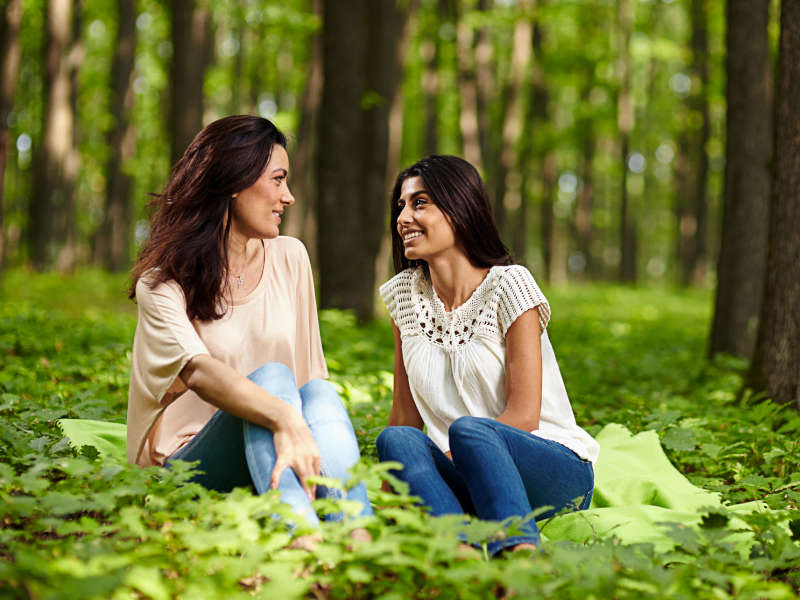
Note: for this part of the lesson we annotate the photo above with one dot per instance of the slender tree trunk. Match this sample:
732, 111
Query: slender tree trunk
583, 210
699, 104
9, 73
55, 169
468, 87
301, 220
745, 220
777, 351
508, 176
354, 132
191, 55
627, 227
114, 239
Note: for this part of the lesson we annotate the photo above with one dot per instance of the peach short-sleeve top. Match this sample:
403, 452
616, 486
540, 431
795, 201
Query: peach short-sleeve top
276, 322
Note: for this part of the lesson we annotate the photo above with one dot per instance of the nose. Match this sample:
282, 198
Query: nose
405, 216
287, 199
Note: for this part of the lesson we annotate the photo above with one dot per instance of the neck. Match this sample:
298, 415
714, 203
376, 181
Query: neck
454, 278
240, 250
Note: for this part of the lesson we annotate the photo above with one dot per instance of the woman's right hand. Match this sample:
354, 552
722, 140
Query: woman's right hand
295, 447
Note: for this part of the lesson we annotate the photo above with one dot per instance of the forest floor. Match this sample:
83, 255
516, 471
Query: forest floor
73, 525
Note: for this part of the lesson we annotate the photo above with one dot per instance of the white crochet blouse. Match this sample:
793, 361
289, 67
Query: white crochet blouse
455, 360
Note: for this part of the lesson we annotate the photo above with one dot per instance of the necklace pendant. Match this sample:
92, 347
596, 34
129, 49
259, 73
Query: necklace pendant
239, 281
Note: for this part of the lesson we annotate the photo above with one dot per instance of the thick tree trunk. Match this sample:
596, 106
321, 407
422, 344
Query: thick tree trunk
114, 237
9, 73
627, 224
51, 210
777, 351
354, 132
191, 55
743, 250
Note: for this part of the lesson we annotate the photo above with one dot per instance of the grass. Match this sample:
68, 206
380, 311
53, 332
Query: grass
73, 526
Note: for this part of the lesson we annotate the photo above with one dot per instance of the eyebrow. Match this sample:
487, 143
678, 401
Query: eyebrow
414, 195
281, 170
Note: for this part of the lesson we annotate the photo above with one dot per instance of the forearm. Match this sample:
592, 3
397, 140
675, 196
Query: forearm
527, 420
227, 389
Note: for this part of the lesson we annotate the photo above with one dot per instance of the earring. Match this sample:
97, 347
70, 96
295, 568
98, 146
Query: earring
234, 195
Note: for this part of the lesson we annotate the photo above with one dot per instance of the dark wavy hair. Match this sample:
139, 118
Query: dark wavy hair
191, 219
457, 189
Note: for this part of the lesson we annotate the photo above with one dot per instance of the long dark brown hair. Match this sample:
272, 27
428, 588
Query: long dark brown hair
191, 219
457, 189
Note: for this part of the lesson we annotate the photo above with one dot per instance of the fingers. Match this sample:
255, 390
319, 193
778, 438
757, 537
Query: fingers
277, 471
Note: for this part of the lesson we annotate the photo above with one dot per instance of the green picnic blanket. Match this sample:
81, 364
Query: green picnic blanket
636, 487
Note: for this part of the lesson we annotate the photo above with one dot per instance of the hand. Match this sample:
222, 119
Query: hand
295, 447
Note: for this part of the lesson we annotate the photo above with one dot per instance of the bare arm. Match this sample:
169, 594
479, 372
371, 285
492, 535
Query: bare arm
523, 385
227, 389
404, 411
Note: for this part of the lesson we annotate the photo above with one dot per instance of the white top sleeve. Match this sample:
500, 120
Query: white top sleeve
518, 293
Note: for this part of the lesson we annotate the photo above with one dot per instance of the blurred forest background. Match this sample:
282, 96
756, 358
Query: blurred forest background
621, 140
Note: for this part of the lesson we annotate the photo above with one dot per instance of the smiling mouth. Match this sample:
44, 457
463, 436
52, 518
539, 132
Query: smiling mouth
411, 235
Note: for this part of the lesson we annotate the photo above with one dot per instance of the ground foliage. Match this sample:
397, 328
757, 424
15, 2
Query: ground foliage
75, 526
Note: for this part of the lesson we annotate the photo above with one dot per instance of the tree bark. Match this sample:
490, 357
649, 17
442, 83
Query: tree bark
354, 135
51, 210
114, 238
9, 74
191, 55
777, 351
745, 220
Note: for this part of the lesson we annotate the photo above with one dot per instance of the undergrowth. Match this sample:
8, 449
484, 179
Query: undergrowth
73, 525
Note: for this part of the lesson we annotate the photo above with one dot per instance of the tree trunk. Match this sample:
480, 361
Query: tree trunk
508, 176
627, 226
301, 220
114, 237
699, 103
745, 220
51, 210
468, 90
9, 73
191, 55
354, 133
777, 350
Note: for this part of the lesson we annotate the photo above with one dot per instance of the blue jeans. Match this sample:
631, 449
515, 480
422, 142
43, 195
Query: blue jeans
233, 452
497, 472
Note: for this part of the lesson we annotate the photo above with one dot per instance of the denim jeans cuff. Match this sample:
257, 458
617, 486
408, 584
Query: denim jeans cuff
493, 548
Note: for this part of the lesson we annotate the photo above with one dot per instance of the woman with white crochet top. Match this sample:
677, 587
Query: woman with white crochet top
474, 364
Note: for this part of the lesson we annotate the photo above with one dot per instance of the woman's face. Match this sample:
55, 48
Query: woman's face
425, 230
257, 210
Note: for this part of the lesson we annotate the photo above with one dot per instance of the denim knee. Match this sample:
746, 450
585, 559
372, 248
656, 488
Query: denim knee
270, 372
395, 437
468, 426
321, 402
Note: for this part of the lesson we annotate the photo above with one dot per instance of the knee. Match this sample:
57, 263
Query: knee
271, 372
466, 427
321, 402
394, 441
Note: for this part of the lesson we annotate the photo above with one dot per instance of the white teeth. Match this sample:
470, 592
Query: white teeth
411, 235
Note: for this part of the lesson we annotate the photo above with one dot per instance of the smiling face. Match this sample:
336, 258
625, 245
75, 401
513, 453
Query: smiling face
424, 228
257, 210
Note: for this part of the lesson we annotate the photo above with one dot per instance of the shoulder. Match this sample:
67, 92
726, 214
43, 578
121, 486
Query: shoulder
515, 279
289, 247
400, 285
517, 292
149, 291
